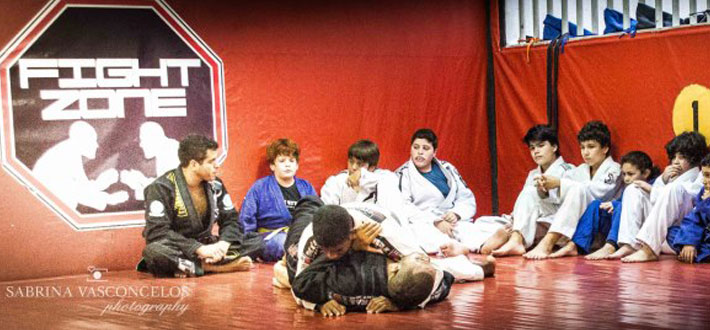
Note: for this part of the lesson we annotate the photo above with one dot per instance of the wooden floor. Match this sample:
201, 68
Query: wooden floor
568, 293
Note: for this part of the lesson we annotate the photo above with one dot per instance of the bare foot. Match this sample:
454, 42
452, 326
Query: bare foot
513, 247
544, 248
453, 248
604, 252
237, 265
497, 240
280, 279
488, 265
623, 251
569, 250
643, 254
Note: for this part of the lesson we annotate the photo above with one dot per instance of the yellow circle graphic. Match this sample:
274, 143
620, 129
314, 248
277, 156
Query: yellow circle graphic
692, 110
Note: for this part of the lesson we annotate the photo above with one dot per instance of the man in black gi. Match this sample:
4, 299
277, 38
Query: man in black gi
182, 205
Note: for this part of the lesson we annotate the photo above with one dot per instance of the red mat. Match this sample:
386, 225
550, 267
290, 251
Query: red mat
569, 293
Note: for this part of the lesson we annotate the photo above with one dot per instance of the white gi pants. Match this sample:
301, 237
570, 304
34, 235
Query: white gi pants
635, 207
574, 203
471, 234
670, 208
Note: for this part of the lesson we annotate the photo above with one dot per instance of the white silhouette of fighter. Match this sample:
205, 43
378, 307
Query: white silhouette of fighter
61, 170
155, 145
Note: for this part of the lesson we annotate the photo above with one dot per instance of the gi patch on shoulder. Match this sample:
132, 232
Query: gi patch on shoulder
156, 209
609, 178
227, 202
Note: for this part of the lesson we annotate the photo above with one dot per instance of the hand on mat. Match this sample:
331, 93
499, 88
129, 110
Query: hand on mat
607, 206
364, 235
381, 304
450, 217
670, 173
643, 185
445, 227
332, 308
687, 254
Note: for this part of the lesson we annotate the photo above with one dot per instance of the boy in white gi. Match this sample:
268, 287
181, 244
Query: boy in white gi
672, 198
438, 190
534, 201
364, 182
597, 178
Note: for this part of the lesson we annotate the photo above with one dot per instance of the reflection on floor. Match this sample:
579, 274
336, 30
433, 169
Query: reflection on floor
569, 293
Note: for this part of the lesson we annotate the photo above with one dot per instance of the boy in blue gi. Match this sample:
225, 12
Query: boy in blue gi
269, 204
691, 240
603, 218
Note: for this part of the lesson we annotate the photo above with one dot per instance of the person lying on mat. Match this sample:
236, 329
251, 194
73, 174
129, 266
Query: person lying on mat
340, 286
182, 206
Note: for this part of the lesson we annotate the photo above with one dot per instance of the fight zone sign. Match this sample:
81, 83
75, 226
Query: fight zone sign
95, 96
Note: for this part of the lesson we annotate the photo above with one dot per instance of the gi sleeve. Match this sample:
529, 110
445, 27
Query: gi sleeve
597, 189
691, 230
249, 210
310, 191
465, 203
311, 285
656, 189
330, 193
230, 229
159, 217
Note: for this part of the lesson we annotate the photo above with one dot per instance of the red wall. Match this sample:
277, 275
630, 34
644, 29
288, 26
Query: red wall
630, 84
324, 73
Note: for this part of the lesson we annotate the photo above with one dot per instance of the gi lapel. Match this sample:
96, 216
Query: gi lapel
184, 192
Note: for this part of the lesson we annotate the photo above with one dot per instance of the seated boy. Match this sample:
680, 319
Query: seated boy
364, 182
691, 240
534, 202
182, 207
438, 190
672, 198
361, 180
338, 286
269, 203
597, 178
604, 218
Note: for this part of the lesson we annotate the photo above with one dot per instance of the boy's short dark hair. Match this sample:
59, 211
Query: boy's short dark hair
410, 287
426, 134
706, 161
365, 151
282, 147
690, 145
595, 131
542, 133
332, 225
195, 147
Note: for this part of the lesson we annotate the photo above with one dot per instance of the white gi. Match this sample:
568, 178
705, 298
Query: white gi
529, 206
577, 189
380, 187
671, 202
395, 240
428, 198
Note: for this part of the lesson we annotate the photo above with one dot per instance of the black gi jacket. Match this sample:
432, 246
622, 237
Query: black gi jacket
170, 213
352, 281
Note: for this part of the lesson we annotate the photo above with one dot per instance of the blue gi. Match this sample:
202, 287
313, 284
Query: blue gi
597, 221
694, 230
264, 210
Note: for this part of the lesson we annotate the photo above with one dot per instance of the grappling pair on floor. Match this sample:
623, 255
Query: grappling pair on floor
357, 257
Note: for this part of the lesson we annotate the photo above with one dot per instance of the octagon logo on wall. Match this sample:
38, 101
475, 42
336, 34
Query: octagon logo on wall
95, 97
